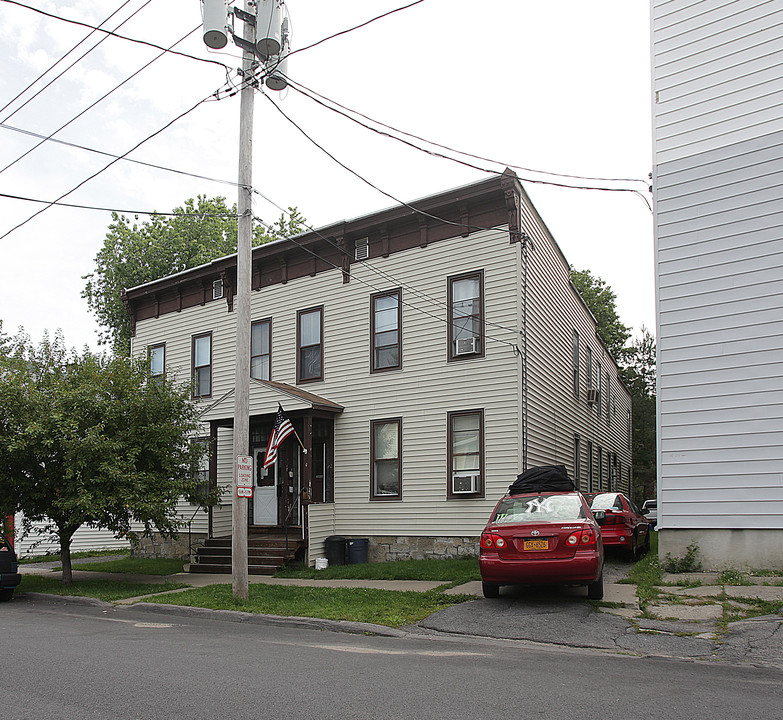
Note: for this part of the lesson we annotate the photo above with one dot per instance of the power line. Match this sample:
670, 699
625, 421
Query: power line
99, 100
356, 27
315, 96
57, 62
117, 159
76, 146
360, 177
514, 346
79, 59
113, 34
115, 210
365, 263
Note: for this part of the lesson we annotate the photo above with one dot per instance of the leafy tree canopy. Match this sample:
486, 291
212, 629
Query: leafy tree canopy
134, 253
602, 301
92, 440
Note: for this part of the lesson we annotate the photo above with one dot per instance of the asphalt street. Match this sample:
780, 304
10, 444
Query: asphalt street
66, 659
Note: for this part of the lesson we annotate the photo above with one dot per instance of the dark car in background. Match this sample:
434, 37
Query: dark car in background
542, 538
623, 527
9, 570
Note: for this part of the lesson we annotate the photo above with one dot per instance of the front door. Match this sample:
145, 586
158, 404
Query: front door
265, 491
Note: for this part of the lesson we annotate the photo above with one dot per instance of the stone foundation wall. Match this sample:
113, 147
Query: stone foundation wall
174, 547
386, 548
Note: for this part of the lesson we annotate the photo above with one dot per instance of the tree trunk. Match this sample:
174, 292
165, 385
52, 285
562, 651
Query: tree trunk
65, 556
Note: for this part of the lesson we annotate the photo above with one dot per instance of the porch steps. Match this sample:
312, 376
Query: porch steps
266, 554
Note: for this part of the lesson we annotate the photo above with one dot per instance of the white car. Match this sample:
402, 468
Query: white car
650, 511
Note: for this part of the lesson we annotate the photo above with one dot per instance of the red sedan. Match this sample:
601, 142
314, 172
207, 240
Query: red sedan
624, 527
541, 539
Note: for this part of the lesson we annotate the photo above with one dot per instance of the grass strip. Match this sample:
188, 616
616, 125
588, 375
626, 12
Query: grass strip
107, 590
453, 571
391, 608
135, 566
55, 557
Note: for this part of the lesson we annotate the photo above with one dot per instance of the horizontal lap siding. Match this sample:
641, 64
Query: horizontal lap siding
85, 538
719, 255
556, 416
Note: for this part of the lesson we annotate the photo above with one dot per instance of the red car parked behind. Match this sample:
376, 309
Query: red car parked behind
624, 527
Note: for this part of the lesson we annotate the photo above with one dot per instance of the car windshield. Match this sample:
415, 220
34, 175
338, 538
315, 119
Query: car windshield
607, 501
539, 508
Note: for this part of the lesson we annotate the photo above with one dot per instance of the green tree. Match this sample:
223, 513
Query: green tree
87, 439
637, 371
602, 301
134, 253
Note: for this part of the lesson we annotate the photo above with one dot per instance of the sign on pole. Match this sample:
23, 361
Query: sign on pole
244, 476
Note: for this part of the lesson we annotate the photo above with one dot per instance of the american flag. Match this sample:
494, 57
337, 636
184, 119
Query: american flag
280, 432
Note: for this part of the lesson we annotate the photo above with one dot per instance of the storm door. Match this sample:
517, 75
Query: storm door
265, 491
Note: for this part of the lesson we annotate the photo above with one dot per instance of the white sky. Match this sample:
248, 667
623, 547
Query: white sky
561, 86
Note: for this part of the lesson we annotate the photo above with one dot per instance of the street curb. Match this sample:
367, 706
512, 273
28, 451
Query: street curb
239, 616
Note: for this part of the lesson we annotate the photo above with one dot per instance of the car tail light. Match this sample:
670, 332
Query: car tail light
612, 520
490, 540
582, 537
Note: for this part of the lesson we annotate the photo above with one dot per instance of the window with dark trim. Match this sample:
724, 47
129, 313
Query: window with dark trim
261, 350
202, 365
466, 316
309, 343
385, 331
202, 473
386, 459
589, 368
578, 462
600, 475
575, 362
157, 359
589, 466
608, 391
466, 454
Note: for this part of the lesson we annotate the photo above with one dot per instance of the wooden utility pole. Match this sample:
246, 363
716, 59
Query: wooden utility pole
239, 525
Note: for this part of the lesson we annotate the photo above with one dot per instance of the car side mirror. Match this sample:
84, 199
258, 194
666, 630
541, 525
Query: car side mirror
645, 511
600, 516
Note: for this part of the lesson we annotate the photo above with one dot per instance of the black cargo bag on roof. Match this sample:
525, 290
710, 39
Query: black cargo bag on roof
552, 478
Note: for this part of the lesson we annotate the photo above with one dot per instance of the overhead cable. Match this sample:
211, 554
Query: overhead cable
116, 35
58, 61
79, 59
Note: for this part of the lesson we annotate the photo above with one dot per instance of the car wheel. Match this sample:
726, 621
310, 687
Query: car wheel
490, 590
595, 591
6, 594
632, 553
646, 546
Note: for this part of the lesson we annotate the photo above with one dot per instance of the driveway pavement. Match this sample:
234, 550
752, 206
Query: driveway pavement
700, 622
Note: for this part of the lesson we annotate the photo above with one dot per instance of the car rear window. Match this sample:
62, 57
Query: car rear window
539, 508
607, 501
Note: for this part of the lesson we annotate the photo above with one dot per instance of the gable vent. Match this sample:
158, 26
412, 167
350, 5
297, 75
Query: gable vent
361, 249
217, 289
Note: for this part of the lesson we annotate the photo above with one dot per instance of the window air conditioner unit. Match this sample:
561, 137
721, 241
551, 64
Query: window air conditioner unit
592, 395
361, 249
467, 346
465, 484
217, 289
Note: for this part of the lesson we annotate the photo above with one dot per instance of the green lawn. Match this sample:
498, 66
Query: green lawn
453, 572
135, 566
382, 607
107, 590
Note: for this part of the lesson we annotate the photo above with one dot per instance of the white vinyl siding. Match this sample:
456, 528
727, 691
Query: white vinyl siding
427, 387
718, 122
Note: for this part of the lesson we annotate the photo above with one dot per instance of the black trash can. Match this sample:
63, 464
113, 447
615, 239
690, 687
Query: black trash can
335, 550
357, 550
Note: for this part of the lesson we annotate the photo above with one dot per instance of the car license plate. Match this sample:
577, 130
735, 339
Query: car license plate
536, 544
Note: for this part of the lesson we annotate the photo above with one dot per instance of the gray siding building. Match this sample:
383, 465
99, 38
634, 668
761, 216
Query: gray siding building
718, 180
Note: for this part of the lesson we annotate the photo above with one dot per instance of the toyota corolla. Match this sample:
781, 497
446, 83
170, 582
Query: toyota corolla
542, 538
